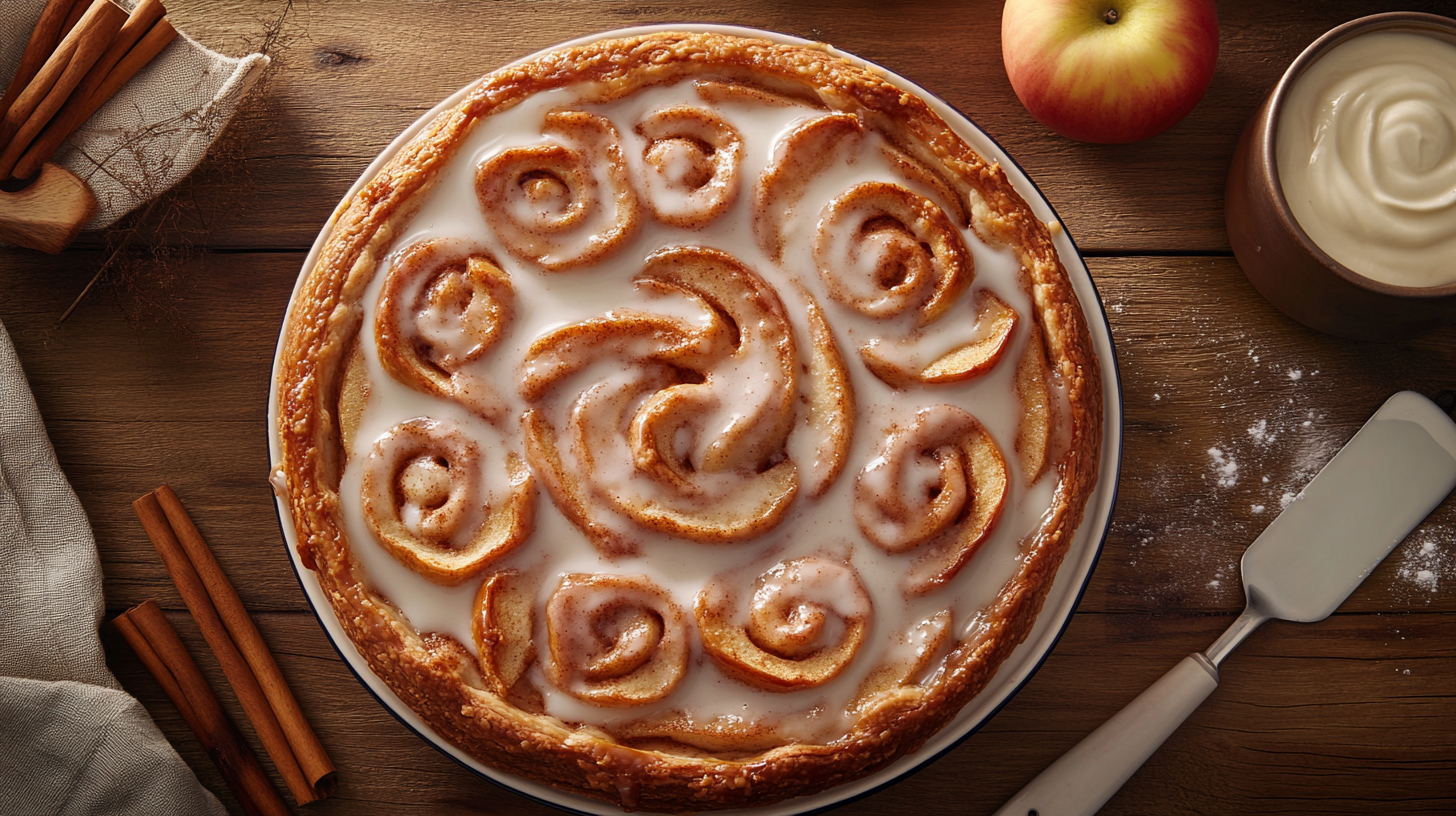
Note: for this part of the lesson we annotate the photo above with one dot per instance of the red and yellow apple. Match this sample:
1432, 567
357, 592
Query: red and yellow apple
1109, 71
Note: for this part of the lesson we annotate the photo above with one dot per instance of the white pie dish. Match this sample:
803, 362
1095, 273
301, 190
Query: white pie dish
1076, 568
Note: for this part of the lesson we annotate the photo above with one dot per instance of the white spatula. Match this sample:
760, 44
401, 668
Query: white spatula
1386, 479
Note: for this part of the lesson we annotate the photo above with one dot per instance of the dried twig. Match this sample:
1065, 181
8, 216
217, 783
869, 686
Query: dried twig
147, 281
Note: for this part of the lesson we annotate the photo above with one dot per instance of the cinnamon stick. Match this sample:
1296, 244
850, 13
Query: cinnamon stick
49, 30
140, 39
160, 649
244, 683
35, 90
158, 37
306, 746
34, 107
74, 17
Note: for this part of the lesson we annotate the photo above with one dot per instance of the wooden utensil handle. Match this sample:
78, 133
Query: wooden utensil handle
48, 213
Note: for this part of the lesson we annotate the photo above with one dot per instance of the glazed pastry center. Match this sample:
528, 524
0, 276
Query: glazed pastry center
695, 409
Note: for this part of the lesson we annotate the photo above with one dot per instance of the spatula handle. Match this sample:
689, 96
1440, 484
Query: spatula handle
1082, 781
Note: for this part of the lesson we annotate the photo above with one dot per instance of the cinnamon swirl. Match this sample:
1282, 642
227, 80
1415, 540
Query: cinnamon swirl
810, 401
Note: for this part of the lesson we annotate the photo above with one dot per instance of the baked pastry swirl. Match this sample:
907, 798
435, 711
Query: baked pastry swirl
806, 620
565, 204
686, 421
439, 312
947, 517
424, 500
616, 640
735, 480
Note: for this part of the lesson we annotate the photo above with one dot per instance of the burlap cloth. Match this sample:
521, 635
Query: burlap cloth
156, 129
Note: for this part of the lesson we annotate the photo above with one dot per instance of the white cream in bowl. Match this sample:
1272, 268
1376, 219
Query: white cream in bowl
1367, 156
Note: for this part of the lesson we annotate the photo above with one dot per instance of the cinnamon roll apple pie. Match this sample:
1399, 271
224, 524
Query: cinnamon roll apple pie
686, 421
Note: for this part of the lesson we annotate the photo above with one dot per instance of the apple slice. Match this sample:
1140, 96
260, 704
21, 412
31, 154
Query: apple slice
354, 391
691, 165
441, 311
883, 251
684, 429
950, 552
995, 324
502, 628
935, 491
830, 394
724, 735
804, 155
562, 206
1033, 435
912, 653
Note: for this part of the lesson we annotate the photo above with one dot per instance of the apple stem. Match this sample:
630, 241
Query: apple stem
1111, 16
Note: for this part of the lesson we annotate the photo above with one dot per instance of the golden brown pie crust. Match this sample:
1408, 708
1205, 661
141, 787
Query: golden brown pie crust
438, 677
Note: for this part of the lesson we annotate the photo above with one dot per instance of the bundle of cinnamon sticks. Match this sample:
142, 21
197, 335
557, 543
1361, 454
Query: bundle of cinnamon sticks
157, 644
79, 55
246, 660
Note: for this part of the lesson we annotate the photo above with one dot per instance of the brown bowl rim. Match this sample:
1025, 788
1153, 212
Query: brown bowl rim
1268, 140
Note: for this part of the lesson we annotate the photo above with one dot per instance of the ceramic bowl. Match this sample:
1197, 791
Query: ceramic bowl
1281, 260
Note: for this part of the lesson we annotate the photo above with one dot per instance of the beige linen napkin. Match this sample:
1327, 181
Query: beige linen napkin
71, 741
156, 129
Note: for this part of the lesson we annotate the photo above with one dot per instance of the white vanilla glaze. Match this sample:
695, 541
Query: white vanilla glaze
1367, 155
823, 526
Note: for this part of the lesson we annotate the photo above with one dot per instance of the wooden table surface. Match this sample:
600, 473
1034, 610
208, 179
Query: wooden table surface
162, 375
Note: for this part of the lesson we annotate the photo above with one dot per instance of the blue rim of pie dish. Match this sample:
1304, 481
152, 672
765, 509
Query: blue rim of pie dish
1112, 377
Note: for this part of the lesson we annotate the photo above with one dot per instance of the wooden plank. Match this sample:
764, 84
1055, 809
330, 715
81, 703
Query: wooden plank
1208, 365
347, 78
1344, 717
132, 402
1286, 732
187, 339
189, 408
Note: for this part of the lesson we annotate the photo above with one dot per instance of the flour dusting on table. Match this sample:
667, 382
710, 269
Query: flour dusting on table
1426, 564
